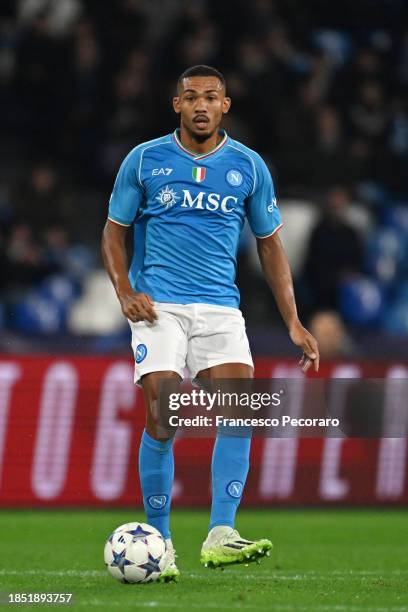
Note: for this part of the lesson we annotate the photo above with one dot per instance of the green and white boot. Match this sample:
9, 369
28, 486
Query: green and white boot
224, 546
171, 572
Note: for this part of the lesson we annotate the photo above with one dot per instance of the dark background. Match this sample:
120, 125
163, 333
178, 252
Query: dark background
318, 89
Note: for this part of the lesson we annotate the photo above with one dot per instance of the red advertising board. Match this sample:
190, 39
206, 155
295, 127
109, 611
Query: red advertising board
69, 432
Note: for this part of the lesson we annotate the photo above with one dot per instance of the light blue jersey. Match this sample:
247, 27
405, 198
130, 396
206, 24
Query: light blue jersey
188, 212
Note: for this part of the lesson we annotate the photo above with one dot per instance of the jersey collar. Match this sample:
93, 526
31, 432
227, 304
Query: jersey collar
219, 146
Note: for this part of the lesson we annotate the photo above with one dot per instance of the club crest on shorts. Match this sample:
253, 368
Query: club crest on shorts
141, 352
157, 501
234, 178
235, 488
198, 174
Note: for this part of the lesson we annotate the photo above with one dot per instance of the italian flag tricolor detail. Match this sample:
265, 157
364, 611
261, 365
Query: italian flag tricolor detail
198, 174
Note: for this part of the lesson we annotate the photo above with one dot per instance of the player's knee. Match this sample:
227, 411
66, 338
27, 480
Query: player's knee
154, 426
155, 433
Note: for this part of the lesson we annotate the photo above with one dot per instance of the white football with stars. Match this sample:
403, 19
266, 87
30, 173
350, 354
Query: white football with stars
135, 553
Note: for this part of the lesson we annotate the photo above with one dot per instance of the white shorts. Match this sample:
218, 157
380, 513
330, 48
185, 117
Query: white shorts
198, 336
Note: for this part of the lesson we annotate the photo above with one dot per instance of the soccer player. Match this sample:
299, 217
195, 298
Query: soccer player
187, 195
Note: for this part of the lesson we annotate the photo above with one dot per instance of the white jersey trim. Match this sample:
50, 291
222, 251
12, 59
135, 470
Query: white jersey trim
141, 157
272, 233
119, 223
252, 162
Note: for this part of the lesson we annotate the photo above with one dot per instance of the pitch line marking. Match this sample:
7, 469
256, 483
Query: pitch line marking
231, 573
280, 607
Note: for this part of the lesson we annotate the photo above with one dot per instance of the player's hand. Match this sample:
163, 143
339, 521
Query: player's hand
302, 338
137, 306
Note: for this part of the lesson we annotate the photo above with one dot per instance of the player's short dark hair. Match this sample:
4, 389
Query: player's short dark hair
201, 70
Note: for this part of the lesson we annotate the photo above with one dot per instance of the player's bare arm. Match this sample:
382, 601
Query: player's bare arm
136, 306
277, 272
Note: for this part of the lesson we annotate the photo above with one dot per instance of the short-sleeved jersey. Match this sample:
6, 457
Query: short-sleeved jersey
188, 212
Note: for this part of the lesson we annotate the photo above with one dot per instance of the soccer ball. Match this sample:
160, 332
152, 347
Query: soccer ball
135, 552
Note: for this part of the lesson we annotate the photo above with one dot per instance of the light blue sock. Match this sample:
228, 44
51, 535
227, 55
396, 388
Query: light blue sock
230, 464
156, 472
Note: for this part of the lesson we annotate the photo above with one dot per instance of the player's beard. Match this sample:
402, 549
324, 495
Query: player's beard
201, 137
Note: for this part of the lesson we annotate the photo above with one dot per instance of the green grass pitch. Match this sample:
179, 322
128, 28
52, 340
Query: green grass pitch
323, 561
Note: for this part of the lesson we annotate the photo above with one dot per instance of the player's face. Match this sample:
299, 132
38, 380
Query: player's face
201, 102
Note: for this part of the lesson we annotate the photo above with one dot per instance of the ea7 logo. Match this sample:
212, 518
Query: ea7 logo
165, 171
271, 206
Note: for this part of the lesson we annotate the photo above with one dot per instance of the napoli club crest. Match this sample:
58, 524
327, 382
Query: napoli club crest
235, 488
141, 352
157, 501
234, 178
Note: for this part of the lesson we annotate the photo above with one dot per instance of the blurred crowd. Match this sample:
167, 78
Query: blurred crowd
319, 90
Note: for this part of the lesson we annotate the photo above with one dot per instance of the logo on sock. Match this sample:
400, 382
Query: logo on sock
141, 352
157, 501
235, 488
